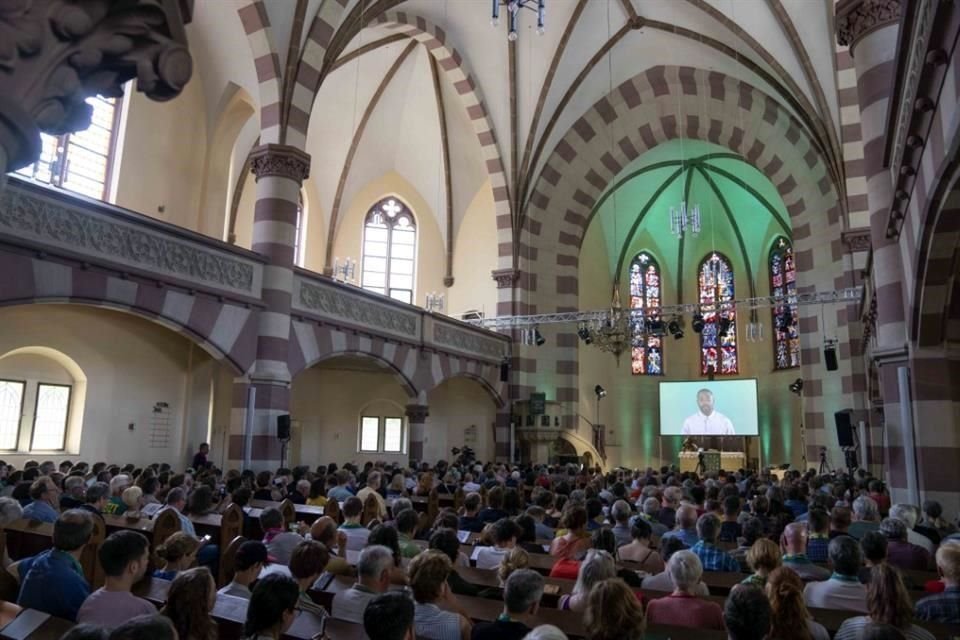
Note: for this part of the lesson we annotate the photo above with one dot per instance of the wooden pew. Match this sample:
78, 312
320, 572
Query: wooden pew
35, 625
304, 512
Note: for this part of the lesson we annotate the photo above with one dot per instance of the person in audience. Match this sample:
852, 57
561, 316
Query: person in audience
874, 548
396, 488
190, 600
53, 581
151, 627
124, 556
470, 520
87, 632
356, 533
843, 589
574, 543
177, 500
96, 496
790, 619
272, 608
818, 535
115, 505
74, 488
437, 615
763, 558
494, 510
840, 520
746, 614
596, 567
888, 603
684, 607
662, 581
307, 563
263, 491
900, 553
669, 506
301, 492
373, 486
373, 578
200, 457
505, 533
406, 526
620, 513
178, 553
686, 526
341, 492
247, 565
933, 519
390, 616
866, 517
945, 606
613, 612
280, 543
711, 557
639, 549
909, 515
446, 542
540, 528
651, 514
730, 528
794, 545
546, 632
521, 598
10, 511
324, 530
45, 501
317, 497
752, 531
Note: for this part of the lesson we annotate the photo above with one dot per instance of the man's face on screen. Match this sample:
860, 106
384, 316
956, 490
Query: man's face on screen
705, 402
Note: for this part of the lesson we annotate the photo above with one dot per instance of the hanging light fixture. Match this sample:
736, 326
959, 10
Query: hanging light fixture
684, 220
614, 333
513, 10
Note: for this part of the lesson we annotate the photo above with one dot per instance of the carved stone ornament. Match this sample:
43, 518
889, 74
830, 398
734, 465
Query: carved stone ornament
468, 341
280, 160
417, 413
505, 278
857, 239
56, 53
856, 18
356, 309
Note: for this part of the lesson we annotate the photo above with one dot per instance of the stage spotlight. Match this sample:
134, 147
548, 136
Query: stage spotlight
797, 386
697, 322
584, 334
600, 391
675, 329
538, 338
786, 321
724, 327
655, 326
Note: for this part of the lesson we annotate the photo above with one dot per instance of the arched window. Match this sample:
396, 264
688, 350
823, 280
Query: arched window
646, 354
80, 161
389, 250
718, 340
783, 283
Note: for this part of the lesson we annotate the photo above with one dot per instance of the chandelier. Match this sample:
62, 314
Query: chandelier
612, 334
683, 220
513, 9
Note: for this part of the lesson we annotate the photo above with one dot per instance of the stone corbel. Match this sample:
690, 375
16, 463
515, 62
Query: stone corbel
506, 278
56, 53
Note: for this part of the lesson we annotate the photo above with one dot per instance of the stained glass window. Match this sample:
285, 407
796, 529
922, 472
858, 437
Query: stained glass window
80, 161
389, 250
783, 283
718, 340
646, 354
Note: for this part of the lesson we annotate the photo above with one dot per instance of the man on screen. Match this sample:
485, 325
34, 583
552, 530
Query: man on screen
707, 422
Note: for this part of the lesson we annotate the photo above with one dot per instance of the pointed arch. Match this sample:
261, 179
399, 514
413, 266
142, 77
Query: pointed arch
389, 262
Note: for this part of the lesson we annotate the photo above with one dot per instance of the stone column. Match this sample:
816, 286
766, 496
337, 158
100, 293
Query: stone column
280, 171
417, 418
870, 28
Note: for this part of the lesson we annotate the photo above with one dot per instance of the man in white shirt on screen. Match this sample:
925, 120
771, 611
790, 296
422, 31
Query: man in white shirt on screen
707, 421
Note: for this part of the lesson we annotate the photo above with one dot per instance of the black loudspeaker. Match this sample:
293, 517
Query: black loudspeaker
844, 428
504, 371
283, 427
830, 357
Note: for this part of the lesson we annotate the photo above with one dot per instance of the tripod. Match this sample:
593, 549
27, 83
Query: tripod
701, 467
824, 465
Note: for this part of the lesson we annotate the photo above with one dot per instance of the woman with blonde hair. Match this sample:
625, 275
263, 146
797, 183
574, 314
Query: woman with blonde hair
762, 558
613, 612
177, 554
789, 617
425, 485
597, 567
397, 487
189, 603
515, 558
437, 615
887, 603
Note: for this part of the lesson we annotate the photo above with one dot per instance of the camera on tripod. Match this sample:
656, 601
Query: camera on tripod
464, 457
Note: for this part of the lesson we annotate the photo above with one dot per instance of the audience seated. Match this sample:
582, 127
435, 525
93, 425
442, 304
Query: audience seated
96, 498
324, 530
45, 501
788, 612
148, 627
190, 600
494, 510
686, 526
752, 531
639, 549
730, 528
620, 514
763, 558
280, 543
596, 567
372, 488
662, 581
356, 533
390, 616
818, 535
373, 579
446, 542
53, 581
521, 597
843, 589
840, 520
933, 520
546, 632
909, 515
901, 553
866, 517
178, 553
406, 526
945, 606
272, 608
428, 581
887, 603
613, 612
307, 563
124, 556
74, 489
576, 541
746, 614
683, 607
711, 557
874, 547
247, 565
794, 545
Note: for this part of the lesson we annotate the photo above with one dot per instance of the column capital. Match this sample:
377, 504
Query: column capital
417, 413
280, 160
857, 18
505, 278
59, 53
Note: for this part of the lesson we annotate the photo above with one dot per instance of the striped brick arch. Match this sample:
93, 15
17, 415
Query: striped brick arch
661, 104
226, 331
256, 24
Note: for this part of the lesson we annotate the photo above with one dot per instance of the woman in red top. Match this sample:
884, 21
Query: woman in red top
682, 608
576, 541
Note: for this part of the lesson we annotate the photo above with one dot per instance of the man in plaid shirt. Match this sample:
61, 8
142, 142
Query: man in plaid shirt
944, 607
818, 537
712, 557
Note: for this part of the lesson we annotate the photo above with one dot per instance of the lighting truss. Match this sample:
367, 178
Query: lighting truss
839, 296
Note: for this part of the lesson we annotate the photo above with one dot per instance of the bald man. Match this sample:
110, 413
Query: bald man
794, 546
325, 530
686, 527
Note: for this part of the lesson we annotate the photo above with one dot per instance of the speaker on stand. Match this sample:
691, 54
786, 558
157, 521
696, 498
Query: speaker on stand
283, 435
846, 438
